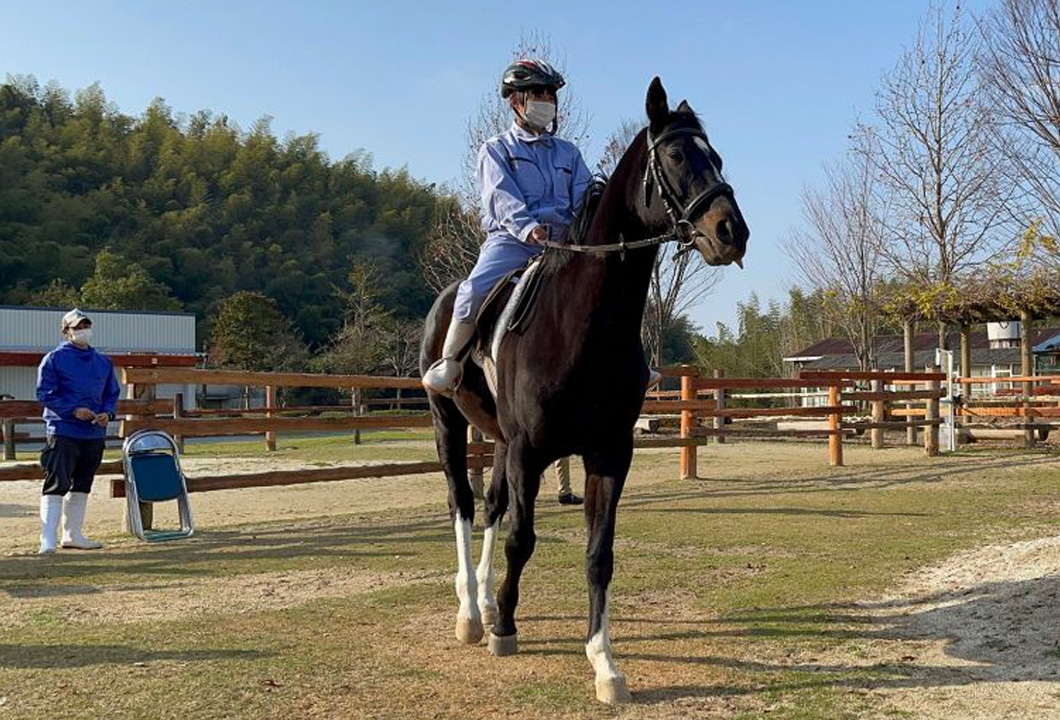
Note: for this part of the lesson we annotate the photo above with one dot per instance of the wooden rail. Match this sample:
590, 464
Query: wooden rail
702, 399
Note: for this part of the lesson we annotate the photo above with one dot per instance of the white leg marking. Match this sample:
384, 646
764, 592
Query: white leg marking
487, 604
468, 619
610, 683
466, 587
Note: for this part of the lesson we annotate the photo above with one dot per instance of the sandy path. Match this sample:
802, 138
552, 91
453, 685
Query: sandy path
19, 501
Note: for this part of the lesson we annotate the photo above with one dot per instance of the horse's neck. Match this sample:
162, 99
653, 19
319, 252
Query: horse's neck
614, 286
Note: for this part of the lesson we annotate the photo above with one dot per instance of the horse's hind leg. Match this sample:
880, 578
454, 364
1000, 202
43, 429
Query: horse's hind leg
496, 506
450, 432
605, 475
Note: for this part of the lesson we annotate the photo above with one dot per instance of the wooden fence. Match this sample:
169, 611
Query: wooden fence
1029, 411
703, 398
716, 400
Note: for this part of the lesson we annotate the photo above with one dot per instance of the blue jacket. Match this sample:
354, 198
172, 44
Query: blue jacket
529, 180
69, 378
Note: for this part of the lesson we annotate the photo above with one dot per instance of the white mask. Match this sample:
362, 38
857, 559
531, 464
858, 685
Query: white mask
540, 113
82, 336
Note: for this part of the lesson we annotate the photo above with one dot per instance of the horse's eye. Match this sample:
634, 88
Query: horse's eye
675, 155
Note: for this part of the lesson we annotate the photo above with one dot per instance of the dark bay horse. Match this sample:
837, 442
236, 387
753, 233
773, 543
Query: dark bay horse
573, 382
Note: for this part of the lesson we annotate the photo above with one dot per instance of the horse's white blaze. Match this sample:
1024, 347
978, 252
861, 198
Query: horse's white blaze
705, 147
466, 587
598, 649
486, 602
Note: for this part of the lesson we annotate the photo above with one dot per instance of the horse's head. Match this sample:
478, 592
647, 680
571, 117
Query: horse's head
685, 171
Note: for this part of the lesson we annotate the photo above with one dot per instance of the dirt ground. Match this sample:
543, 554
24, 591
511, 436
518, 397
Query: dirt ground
989, 617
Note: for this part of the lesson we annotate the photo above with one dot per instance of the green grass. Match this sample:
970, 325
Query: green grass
733, 597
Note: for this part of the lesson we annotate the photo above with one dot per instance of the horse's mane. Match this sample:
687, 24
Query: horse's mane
582, 225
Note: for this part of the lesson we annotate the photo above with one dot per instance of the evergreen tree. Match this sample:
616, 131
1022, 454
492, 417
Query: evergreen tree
119, 284
250, 333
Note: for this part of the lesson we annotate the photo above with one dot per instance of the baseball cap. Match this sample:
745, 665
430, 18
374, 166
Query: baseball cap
72, 318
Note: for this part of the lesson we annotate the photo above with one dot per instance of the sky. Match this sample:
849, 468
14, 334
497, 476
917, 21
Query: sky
778, 84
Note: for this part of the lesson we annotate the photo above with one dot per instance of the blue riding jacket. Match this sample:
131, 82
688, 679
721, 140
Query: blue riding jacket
526, 180
529, 180
70, 377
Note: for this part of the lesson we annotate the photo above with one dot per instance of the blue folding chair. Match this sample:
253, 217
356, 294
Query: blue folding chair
153, 474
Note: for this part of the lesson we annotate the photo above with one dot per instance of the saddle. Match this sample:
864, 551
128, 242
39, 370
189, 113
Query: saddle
509, 305
508, 308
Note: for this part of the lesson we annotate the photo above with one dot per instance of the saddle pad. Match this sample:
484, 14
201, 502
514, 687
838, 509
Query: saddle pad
517, 310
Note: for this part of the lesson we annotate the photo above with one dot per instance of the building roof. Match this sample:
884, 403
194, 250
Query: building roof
838, 353
28, 330
1048, 346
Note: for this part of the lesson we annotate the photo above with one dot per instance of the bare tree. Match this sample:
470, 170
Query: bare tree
452, 246
359, 347
1021, 70
678, 283
937, 164
839, 255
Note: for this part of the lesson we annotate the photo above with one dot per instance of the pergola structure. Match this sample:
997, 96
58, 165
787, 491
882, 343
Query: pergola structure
994, 296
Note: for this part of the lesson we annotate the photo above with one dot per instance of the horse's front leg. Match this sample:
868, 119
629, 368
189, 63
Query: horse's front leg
496, 506
605, 475
524, 478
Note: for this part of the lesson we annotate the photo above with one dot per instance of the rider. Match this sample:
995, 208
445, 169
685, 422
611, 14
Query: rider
531, 182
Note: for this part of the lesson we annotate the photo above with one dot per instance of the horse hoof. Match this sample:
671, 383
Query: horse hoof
613, 691
503, 645
469, 631
490, 614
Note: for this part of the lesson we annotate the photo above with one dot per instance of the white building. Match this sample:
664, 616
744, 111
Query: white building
130, 339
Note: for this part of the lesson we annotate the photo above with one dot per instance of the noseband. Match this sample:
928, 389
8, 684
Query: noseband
682, 231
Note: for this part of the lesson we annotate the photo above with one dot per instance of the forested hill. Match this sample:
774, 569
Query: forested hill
205, 208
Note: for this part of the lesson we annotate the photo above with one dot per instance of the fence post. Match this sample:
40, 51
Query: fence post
931, 431
908, 338
1027, 370
270, 407
719, 405
355, 400
878, 415
178, 413
835, 423
475, 474
9, 438
688, 424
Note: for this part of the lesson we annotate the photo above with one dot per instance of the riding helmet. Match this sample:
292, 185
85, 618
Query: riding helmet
525, 74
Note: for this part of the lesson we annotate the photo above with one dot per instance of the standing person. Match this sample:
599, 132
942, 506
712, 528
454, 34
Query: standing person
79, 392
566, 495
531, 183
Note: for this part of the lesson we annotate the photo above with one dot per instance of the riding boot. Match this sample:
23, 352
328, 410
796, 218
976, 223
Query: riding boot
444, 374
74, 507
51, 507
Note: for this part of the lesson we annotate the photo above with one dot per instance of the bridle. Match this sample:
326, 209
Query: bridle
682, 231
681, 217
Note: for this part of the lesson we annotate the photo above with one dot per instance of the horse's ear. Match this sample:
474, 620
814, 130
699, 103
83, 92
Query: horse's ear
685, 108
656, 105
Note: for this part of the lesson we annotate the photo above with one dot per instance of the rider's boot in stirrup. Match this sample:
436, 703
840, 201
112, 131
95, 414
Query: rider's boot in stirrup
444, 374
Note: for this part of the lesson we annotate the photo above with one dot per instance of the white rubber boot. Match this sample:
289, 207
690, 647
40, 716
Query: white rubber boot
74, 507
443, 375
51, 508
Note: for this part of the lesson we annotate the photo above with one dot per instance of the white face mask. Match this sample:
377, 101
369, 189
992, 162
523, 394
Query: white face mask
81, 337
540, 113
